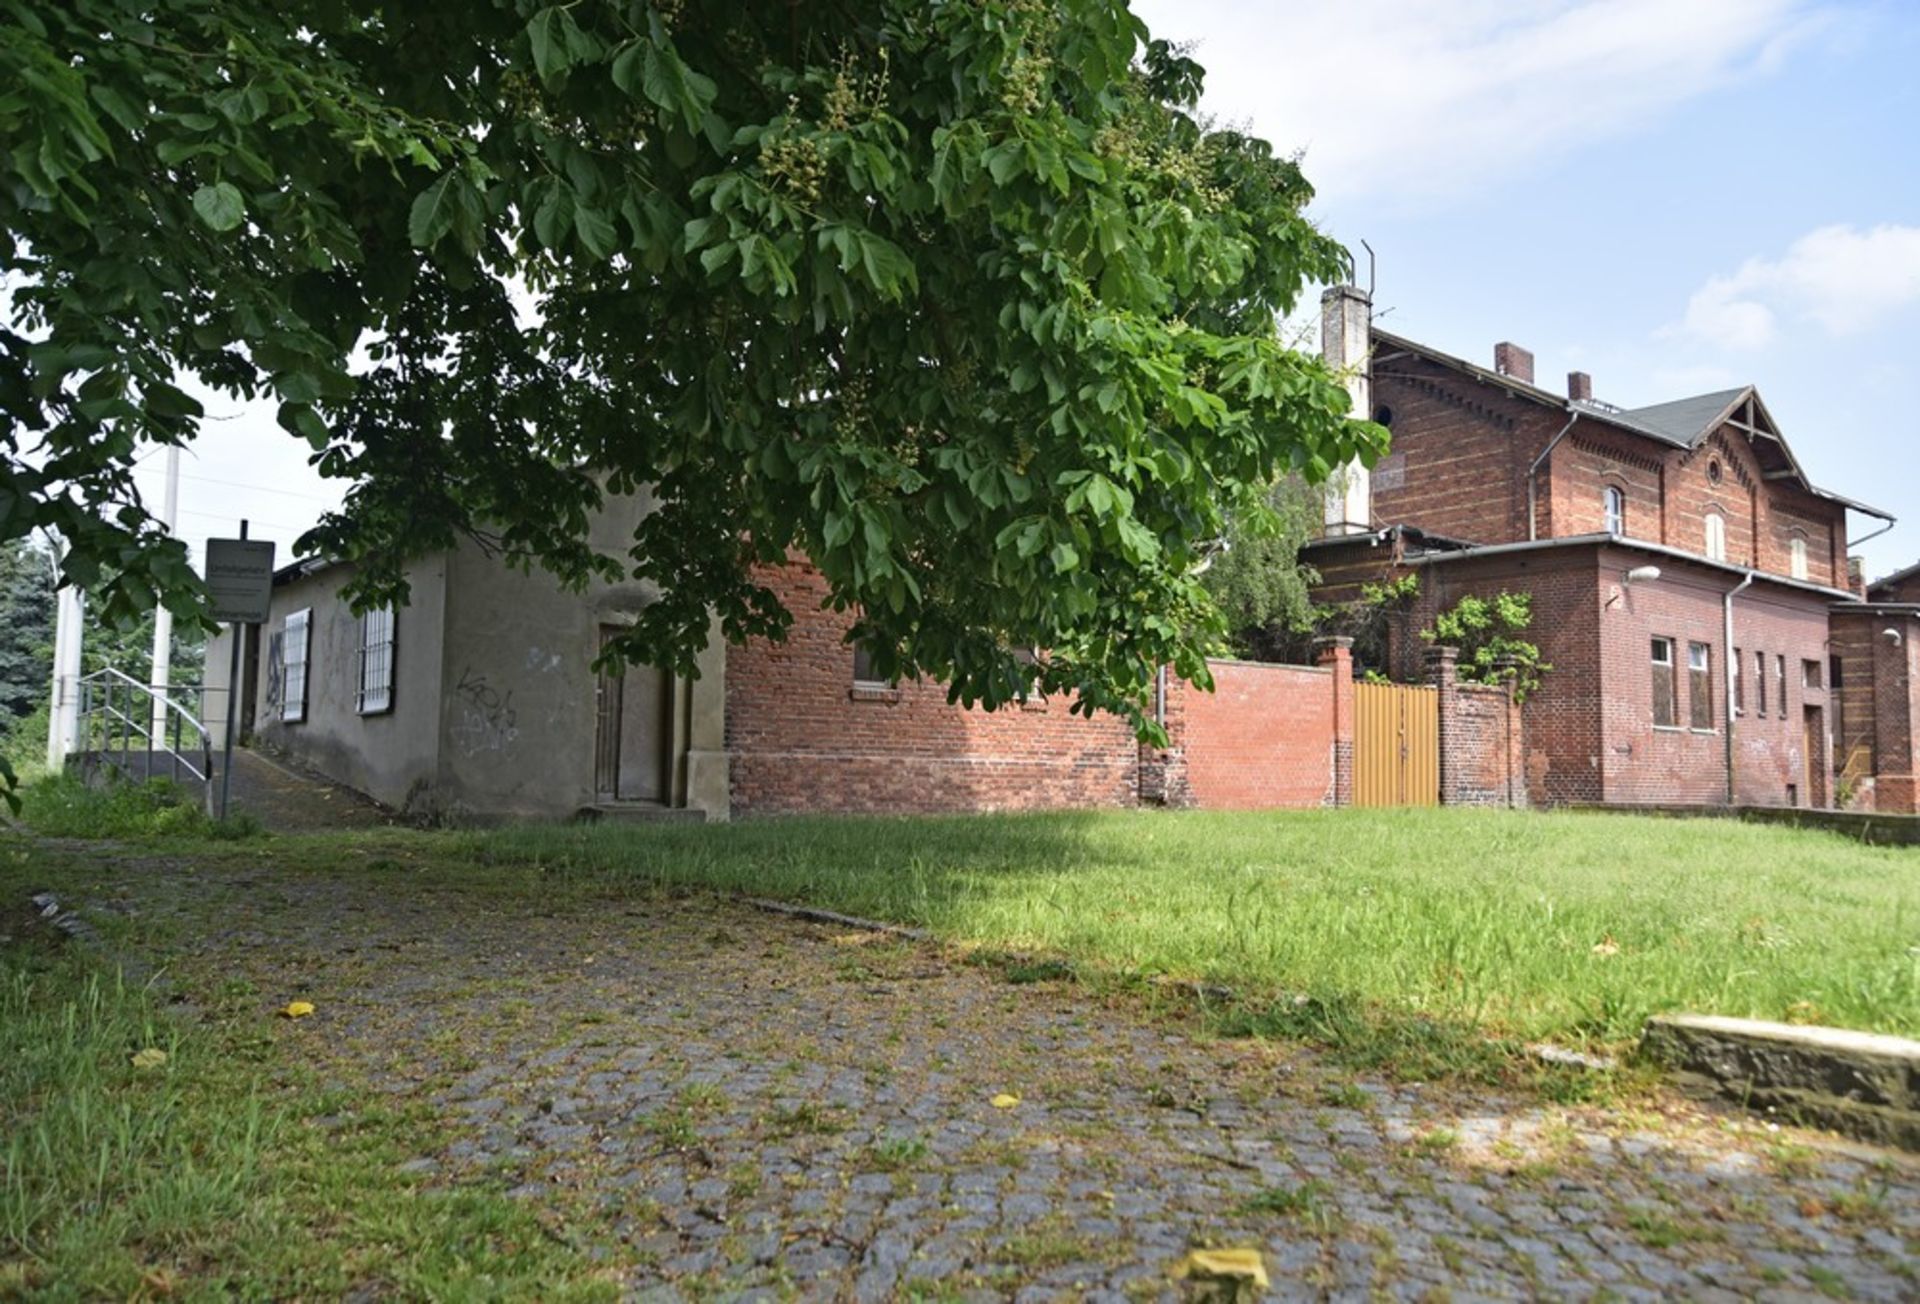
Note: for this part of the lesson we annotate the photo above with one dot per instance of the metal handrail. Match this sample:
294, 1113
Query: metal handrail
114, 703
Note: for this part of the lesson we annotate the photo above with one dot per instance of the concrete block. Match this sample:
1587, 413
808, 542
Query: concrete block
1862, 1084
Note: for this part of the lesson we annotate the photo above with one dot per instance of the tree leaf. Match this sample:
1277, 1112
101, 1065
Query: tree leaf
669, 83
220, 205
432, 214
598, 234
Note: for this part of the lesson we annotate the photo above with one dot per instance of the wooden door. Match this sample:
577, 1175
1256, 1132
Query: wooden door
608, 700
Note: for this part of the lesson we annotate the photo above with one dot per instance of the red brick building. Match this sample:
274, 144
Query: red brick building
1691, 586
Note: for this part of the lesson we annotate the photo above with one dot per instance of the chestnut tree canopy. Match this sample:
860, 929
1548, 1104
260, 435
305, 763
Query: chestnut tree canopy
962, 300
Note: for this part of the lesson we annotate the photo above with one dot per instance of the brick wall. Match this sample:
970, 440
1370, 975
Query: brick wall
1263, 739
1562, 719
802, 738
1482, 738
1462, 448
1880, 705
1460, 452
1905, 589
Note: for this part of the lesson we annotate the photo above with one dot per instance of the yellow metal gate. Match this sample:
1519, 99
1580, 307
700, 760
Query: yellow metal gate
1396, 745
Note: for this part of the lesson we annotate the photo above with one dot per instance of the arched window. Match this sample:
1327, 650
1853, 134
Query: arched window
1716, 536
1616, 503
1797, 552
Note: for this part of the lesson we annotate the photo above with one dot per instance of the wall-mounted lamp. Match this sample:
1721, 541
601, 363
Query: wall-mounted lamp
1893, 636
1643, 574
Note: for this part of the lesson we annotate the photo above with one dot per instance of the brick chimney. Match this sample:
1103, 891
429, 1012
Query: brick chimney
1512, 360
1857, 575
1580, 387
1346, 341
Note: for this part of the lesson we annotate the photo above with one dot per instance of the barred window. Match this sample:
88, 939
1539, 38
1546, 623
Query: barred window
1739, 693
1780, 681
1760, 682
376, 661
1666, 705
294, 642
1700, 684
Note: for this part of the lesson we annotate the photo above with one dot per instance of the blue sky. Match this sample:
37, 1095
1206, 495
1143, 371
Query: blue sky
1675, 195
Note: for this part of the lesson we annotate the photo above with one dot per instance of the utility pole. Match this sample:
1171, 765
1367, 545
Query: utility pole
163, 618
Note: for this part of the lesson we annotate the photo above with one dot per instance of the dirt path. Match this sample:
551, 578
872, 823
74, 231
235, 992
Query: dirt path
712, 1099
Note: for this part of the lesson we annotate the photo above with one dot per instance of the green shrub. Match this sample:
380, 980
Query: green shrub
63, 806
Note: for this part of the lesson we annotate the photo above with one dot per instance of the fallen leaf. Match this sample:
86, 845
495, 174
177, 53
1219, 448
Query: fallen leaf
1606, 946
1005, 1100
297, 1009
1240, 1266
150, 1058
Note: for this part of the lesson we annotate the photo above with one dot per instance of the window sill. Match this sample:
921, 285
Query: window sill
1668, 728
873, 693
1705, 733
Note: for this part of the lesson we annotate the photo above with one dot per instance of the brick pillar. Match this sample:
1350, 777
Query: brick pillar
1895, 788
1443, 672
1163, 773
1516, 750
1336, 654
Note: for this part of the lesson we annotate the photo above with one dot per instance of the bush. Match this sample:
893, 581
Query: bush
62, 806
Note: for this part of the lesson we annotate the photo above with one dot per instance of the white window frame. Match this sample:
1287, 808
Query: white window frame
863, 674
1700, 703
296, 660
1797, 564
1614, 503
1716, 528
379, 627
1663, 656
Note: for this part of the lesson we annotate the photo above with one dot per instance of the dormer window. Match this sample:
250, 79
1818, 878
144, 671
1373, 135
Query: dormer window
1797, 558
1716, 536
1616, 506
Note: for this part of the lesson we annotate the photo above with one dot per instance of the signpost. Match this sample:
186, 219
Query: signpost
240, 590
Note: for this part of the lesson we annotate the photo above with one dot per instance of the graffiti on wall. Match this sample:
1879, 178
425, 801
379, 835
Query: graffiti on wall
485, 720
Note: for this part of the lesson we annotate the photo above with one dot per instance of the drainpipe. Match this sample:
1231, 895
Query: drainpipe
1533, 477
1726, 674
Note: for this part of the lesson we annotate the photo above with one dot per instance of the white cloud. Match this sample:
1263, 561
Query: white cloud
1431, 99
1843, 279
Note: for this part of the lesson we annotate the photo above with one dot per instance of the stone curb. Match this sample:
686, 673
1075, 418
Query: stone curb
1863, 1085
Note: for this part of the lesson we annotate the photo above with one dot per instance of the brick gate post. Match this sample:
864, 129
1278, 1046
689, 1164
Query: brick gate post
1443, 667
1336, 654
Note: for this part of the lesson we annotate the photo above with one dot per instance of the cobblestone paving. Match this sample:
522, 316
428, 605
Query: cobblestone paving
720, 1102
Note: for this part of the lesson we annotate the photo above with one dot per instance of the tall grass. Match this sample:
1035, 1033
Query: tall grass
62, 806
1568, 926
107, 1164
201, 1174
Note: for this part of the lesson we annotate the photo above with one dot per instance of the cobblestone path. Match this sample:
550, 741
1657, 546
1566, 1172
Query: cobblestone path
720, 1102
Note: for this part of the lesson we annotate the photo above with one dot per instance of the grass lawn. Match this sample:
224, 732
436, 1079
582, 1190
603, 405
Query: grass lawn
1422, 943
1573, 927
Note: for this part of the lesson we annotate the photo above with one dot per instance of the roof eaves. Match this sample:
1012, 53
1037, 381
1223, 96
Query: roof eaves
1532, 392
1638, 545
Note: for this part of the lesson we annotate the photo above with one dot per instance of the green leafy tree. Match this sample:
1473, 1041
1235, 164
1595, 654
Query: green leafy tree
1262, 587
26, 630
961, 299
1485, 629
